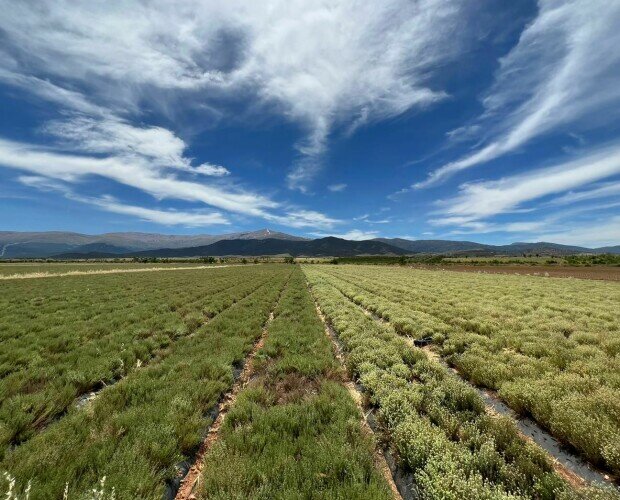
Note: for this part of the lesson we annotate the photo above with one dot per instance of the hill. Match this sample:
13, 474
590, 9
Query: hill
46, 244
323, 247
67, 245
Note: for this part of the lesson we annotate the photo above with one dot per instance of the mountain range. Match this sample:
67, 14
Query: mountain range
66, 245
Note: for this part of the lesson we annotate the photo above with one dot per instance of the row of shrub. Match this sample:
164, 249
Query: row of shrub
137, 431
294, 431
550, 347
82, 333
436, 422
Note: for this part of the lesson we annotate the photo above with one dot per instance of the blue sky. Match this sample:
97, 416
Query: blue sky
490, 121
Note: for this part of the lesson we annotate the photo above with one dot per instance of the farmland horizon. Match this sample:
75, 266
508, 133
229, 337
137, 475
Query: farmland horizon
296, 249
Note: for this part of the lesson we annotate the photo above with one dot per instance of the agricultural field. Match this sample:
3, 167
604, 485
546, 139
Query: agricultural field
10, 270
602, 272
550, 348
288, 381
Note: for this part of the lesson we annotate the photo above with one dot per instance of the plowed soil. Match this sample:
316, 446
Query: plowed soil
606, 273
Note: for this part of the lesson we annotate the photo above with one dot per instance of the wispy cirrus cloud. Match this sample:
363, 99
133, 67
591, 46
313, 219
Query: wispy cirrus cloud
597, 192
589, 234
481, 200
136, 172
336, 188
563, 70
111, 204
92, 140
321, 65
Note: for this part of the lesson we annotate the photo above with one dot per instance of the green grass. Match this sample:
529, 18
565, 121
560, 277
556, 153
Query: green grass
295, 431
138, 429
64, 337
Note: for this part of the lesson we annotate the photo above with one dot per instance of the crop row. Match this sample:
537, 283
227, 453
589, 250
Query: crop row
10, 269
63, 349
294, 431
551, 348
137, 431
436, 422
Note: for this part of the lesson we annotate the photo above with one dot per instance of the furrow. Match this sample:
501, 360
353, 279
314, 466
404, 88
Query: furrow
189, 481
399, 481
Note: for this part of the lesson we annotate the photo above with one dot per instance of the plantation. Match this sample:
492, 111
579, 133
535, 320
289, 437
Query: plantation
294, 431
115, 385
549, 347
137, 430
11, 269
63, 338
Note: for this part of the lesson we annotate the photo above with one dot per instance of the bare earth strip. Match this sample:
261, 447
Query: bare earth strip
380, 460
604, 273
109, 271
190, 481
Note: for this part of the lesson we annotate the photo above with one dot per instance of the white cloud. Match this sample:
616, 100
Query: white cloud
366, 218
114, 136
598, 192
606, 233
168, 218
135, 172
212, 170
319, 64
150, 176
304, 218
336, 188
111, 204
488, 198
564, 70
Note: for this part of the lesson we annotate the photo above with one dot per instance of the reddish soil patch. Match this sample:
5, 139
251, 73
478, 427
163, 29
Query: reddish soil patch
606, 273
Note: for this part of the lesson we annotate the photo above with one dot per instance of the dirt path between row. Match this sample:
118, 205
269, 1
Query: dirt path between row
190, 481
380, 460
21, 276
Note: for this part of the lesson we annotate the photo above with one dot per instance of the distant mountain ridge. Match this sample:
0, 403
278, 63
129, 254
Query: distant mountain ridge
67, 245
323, 247
15, 244
473, 248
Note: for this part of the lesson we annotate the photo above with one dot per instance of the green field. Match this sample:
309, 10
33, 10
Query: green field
28, 268
109, 382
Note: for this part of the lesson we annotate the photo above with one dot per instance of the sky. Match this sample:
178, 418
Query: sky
489, 121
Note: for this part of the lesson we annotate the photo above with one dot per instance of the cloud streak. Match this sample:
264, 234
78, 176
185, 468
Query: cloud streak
489, 198
319, 64
111, 204
564, 68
